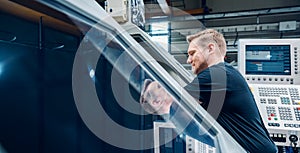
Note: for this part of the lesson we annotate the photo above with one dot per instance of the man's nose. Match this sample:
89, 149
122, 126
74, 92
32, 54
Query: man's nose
189, 60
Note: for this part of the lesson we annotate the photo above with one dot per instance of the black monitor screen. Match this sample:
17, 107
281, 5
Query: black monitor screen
268, 60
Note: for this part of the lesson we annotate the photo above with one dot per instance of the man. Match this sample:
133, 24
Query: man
224, 93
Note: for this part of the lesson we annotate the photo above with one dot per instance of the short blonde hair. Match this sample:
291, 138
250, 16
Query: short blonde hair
206, 36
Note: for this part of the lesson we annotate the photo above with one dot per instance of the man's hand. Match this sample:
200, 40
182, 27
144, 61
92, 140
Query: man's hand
154, 98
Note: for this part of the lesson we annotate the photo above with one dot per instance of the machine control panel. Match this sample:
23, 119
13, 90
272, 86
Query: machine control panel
194, 146
165, 141
279, 107
270, 61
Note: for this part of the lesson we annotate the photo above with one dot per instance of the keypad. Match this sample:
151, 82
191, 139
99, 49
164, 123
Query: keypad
285, 113
272, 91
291, 125
295, 96
271, 112
285, 100
263, 100
274, 124
297, 113
272, 101
279, 106
277, 137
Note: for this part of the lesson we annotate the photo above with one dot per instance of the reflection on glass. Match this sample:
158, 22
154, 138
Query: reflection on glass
125, 75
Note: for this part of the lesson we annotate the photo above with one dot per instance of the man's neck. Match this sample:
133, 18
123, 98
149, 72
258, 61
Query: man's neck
216, 61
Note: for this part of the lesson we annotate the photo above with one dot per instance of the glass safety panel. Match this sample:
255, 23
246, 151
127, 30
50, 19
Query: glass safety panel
127, 99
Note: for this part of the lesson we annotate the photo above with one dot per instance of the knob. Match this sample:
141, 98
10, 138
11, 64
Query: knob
293, 138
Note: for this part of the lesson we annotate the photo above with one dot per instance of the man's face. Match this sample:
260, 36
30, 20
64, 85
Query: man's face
157, 98
155, 94
197, 57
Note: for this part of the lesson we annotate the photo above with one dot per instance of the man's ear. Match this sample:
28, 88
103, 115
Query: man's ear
211, 47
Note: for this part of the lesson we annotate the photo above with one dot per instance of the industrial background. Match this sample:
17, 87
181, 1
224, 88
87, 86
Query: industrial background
38, 45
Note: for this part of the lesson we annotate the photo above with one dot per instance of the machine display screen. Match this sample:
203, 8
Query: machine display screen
268, 60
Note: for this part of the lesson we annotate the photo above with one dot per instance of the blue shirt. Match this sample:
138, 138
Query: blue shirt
225, 94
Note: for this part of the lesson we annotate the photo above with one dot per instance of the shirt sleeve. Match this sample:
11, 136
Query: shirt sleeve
210, 82
185, 124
